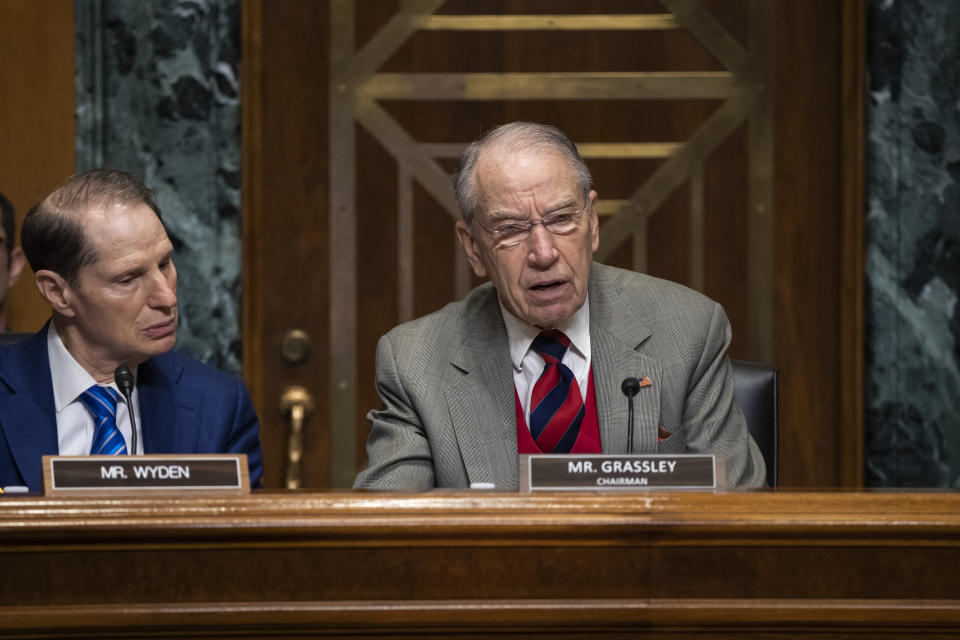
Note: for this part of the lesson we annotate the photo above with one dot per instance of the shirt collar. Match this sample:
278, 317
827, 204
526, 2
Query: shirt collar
69, 378
521, 334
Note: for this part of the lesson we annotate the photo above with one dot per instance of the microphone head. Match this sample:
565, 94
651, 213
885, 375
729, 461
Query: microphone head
124, 378
630, 387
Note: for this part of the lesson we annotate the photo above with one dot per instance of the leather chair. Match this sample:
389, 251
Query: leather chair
12, 337
756, 389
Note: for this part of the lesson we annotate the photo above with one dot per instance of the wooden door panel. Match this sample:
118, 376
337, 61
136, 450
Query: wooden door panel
286, 240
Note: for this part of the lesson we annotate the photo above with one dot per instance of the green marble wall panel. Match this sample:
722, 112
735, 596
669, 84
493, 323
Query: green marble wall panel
913, 244
158, 95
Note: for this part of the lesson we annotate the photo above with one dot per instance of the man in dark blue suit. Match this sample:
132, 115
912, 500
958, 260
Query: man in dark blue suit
104, 263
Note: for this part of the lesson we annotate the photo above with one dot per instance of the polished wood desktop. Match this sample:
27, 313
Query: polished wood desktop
439, 564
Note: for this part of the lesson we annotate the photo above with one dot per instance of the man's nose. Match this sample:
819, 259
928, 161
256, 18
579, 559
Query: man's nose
164, 293
542, 252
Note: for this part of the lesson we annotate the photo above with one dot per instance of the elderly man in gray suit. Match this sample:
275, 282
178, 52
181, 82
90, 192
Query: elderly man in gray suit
532, 362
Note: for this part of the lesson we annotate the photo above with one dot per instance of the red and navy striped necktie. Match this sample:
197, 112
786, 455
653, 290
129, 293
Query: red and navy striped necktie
556, 406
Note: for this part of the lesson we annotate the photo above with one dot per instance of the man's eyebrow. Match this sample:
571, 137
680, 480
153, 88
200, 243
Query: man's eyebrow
502, 215
139, 270
129, 273
569, 204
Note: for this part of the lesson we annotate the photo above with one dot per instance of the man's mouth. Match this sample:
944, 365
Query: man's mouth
547, 286
162, 328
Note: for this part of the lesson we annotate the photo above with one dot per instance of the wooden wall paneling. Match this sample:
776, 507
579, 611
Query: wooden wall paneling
853, 117
728, 237
807, 234
342, 382
252, 202
286, 234
385, 206
696, 226
761, 212
37, 99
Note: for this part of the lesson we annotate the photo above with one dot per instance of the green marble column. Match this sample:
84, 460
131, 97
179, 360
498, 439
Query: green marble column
913, 244
158, 95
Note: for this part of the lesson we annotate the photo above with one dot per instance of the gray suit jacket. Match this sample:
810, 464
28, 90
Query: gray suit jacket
446, 381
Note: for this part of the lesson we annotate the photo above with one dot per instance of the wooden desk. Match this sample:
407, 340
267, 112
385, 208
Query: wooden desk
432, 565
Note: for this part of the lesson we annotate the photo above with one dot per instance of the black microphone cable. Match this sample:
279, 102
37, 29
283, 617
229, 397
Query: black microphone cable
124, 378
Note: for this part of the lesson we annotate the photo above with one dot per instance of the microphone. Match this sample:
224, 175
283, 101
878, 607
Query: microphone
124, 378
630, 387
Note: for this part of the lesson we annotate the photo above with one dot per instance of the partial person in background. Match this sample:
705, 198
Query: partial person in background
11, 256
532, 362
103, 262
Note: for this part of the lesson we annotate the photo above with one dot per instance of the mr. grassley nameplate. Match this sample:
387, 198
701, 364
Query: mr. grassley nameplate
167, 473
554, 472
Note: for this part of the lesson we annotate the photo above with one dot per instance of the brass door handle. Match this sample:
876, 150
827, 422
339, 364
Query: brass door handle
296, 405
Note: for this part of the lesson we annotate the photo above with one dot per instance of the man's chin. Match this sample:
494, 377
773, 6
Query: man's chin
550, 318
162, 344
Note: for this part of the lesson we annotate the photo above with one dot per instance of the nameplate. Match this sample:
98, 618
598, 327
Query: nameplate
159, 473
552, 472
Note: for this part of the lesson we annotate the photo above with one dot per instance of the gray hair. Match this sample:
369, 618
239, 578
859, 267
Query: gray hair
515, 135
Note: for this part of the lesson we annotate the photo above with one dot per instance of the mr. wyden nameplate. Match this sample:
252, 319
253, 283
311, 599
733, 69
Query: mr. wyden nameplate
166, 473
553, 472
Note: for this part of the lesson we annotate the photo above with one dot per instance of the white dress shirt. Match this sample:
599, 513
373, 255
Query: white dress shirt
75, 424
528, 364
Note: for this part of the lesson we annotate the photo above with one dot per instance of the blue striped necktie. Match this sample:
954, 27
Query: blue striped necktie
101, 402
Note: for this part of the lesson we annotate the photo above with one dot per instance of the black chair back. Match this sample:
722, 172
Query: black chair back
756, 393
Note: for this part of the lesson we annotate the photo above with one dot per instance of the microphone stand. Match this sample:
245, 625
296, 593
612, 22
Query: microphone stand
630, 387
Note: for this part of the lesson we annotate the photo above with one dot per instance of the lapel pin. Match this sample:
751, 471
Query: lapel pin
644, 381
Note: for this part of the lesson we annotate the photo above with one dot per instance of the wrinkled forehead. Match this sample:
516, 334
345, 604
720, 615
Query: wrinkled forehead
112, 212
117, 227
532, 172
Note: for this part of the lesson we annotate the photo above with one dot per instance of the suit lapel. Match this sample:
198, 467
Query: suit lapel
28, 418
481, 402
169, 421
616, 334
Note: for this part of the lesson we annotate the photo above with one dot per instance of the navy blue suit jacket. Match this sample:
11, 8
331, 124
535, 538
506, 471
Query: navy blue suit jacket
185, 407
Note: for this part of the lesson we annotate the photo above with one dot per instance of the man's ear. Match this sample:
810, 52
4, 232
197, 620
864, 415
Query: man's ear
17, 260
470, 248
56, 291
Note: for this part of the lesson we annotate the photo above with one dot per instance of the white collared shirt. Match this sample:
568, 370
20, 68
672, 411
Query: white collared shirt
528, 364
74, 423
